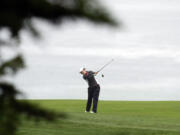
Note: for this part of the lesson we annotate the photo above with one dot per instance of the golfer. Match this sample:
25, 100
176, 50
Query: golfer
93, 89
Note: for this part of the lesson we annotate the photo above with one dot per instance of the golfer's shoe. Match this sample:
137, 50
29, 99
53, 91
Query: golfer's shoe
86, 111
92, 112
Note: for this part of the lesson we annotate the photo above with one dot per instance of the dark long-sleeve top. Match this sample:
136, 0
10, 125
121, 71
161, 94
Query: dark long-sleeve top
89, 77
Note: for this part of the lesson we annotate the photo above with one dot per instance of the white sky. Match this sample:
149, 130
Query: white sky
146, 51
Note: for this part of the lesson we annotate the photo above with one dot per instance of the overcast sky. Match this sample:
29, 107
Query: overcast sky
146, 51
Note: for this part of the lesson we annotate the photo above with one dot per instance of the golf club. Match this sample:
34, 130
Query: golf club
109, 62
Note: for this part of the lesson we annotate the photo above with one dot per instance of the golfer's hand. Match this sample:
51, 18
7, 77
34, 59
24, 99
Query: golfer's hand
95, 73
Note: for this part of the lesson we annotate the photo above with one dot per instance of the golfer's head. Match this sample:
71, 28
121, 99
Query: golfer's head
82, 71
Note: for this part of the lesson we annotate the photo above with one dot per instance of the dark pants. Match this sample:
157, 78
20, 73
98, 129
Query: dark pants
93, 95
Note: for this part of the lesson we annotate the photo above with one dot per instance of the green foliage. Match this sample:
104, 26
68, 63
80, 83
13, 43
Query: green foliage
8, 119
16, 15
11, 110
12, 66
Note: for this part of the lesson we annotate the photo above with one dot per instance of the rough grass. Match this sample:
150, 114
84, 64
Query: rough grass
113, 118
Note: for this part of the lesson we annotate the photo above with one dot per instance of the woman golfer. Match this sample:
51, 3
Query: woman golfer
93, 89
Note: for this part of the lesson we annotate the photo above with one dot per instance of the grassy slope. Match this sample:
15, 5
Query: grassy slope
113, 118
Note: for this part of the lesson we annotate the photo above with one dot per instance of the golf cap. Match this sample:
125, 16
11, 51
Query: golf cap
81, 69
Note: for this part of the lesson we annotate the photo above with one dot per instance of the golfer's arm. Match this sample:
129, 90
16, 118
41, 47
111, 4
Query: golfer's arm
95, 73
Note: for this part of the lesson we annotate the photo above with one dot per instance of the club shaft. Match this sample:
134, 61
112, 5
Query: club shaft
105, 65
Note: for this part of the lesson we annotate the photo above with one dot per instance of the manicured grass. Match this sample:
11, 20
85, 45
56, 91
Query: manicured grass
113, 118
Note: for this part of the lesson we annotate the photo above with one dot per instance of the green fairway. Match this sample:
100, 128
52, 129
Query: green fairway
113, 118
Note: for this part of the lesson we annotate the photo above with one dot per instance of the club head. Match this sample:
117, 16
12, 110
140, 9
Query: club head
102, 75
